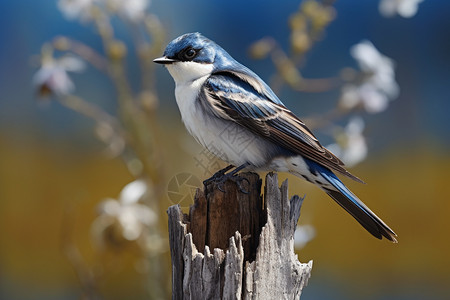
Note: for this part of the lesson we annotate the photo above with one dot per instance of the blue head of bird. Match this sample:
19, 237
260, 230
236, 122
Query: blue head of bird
192, 56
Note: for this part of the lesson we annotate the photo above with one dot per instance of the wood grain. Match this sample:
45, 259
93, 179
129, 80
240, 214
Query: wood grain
252, 238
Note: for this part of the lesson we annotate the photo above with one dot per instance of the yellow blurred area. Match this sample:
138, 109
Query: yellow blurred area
39, 182
409, 191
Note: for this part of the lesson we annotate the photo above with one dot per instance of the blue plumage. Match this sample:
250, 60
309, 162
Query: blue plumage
347, 200
215, 93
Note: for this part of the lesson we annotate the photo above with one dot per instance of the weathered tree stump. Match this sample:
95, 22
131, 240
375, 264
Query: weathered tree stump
253, 241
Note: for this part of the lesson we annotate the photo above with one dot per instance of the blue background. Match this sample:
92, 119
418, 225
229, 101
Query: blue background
416, 122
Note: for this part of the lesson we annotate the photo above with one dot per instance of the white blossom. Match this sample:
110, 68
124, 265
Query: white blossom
378, 85
303, 235
52, 77
133, 192
379, 67
132, 10
131, 218
76, 9
351, 146
404, 8
372, 99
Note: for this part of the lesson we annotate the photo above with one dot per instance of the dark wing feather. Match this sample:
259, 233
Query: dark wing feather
250, 102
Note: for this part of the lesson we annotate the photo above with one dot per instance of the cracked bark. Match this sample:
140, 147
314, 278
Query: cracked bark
252, 237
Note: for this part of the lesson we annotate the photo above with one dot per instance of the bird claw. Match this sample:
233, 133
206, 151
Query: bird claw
220, 177
239, 183
236, 179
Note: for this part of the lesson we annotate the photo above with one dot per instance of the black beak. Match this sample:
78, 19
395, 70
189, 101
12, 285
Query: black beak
164, 60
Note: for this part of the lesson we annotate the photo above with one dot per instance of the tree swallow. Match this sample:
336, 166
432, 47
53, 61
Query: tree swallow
234, 114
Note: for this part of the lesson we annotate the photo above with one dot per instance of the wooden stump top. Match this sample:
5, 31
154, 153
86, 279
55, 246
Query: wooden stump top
252, 237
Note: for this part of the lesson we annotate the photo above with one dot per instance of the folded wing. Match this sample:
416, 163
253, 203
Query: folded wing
248, 101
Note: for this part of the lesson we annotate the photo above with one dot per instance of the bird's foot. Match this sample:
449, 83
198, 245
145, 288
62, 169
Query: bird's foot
236, 178
219, 174
221, 177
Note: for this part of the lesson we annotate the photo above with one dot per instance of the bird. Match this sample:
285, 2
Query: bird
236, 116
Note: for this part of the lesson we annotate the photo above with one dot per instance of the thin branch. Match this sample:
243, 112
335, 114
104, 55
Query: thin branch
90, 110
84, 51
109, 129
288, 66
289, 73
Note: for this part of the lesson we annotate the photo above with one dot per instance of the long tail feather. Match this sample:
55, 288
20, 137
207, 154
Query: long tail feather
346, 199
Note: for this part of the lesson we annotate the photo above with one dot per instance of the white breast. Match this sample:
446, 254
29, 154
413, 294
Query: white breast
189, 78
226, 139
193, 119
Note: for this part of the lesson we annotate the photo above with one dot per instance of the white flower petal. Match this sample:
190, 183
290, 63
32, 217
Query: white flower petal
387, 8
132, 217
356, 148
379, 85
352, 147
72, 63
52, 75
404, 8
303, 234
365, 54
133, 192
74, 9
356, 152
42, 75
131, 233
355, 126
132, 10
409, 8
54, 79
131, 226
374, 101
350, 96
370, 59
145, 215
110, 207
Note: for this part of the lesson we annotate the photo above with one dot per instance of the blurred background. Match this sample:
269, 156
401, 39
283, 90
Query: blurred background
371, 78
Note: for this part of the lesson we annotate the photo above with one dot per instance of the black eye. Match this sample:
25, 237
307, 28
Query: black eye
189, 54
